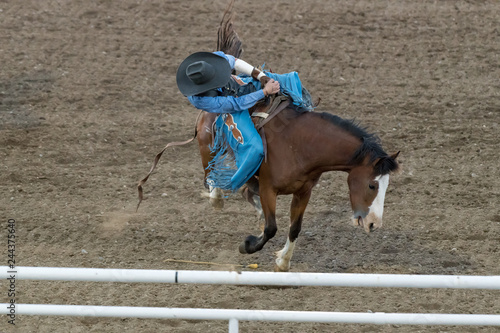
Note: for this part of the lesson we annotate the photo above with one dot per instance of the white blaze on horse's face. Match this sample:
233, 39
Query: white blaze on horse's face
376, 210
370, 217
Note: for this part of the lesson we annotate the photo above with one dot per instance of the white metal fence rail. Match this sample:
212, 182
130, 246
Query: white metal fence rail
254, 278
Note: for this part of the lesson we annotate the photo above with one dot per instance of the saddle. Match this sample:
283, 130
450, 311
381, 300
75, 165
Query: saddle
263, 113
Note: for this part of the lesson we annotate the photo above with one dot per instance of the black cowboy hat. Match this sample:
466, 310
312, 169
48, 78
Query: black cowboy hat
202, 71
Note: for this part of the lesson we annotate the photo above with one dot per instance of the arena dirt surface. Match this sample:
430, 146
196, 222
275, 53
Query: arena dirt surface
88, 97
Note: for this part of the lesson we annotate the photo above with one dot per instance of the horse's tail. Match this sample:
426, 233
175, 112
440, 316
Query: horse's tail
228, 40
157, 159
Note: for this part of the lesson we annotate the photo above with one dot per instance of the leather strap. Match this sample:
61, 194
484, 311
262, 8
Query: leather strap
260, 114
278, 104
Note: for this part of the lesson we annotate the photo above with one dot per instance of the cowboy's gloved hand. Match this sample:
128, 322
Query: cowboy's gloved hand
263, 80
273, 87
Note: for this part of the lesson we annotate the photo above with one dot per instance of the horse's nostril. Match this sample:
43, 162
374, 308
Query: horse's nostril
371, 226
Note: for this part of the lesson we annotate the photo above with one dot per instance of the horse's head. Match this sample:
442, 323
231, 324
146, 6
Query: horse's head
367, 186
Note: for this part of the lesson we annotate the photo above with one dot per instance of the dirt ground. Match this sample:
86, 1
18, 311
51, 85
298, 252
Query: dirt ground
88, 97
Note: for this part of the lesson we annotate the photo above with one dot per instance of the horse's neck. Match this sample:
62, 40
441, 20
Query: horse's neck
325, 143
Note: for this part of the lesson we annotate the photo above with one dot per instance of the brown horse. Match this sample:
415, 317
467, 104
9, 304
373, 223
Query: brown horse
300, 147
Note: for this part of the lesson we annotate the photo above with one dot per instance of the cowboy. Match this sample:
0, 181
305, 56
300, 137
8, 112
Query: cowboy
205, 78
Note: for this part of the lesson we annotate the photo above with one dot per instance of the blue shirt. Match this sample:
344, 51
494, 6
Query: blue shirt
221, 104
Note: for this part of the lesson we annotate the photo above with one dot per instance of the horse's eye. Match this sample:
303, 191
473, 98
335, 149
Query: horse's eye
372, 187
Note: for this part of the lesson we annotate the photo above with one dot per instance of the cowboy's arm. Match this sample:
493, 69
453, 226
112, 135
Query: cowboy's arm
230, 59
227, 104
244, 67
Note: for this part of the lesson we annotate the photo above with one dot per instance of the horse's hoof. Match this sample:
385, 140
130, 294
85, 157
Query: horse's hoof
216, 203
280, 269
249, 245
242, 248
281, 265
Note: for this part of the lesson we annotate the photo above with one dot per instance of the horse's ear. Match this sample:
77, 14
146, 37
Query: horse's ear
387, 164
395, 155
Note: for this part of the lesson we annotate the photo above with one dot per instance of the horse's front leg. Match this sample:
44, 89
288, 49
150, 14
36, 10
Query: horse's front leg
298, 207
256, 243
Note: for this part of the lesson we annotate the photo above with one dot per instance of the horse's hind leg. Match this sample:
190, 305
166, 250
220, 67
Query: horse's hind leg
298, 207
251, 194
205, 138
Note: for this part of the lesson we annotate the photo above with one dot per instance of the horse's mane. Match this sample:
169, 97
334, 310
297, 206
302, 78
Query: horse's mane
370, 145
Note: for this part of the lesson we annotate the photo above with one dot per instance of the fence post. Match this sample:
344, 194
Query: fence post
233, 325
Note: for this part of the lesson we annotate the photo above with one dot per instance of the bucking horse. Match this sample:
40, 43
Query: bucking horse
299, 148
